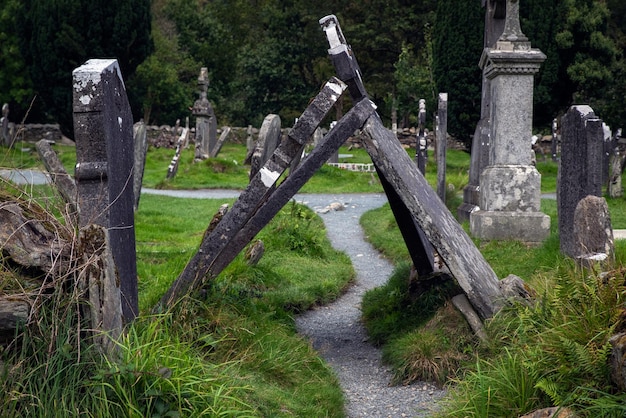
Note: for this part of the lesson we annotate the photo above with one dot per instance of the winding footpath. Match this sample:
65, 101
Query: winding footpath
335, 330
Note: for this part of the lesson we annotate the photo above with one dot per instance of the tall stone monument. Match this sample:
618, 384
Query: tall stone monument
206, 125
510, 186
495, 13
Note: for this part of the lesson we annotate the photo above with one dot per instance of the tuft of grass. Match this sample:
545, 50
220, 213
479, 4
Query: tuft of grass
435, 352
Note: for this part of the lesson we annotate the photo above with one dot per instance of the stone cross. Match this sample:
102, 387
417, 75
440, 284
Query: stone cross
510, 186
206, 125
103, 130
495, 14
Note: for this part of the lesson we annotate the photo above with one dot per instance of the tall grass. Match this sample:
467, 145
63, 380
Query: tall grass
229, 350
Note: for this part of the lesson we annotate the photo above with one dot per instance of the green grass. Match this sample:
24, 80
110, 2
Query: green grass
230, 349
552, 353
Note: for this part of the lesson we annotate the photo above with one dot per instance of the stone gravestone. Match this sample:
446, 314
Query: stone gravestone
618, 156
220, 142
103, 130
510, 186
495, 14
441, 135
269, 138
206, 125
593, 233
140, 141
4, 126
580, 168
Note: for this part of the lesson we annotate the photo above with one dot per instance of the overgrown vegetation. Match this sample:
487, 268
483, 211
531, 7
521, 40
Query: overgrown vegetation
229, 350
552, 353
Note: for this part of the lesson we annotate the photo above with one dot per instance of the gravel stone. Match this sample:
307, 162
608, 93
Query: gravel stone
336, 331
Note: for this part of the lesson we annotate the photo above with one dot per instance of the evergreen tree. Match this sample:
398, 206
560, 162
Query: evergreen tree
60, 35
15, 84
457, 47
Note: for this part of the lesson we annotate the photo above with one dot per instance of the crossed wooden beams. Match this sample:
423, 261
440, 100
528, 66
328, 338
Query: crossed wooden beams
422, 217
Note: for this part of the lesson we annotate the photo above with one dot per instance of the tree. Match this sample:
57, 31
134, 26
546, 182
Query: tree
57, 36
457, 47
15, 84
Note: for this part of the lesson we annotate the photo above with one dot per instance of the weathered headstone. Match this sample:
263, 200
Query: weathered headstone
206, 124
580, 168
441, 136
421, 148
618, 159
269, 138
510, 186
593, 233
495, 13
4, 126
220, 142
103, 130
140, 141
172, 169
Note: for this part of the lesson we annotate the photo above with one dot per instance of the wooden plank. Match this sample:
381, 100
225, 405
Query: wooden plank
62, 180
259, 189
466, 263
429, 215
346, 126
347, 67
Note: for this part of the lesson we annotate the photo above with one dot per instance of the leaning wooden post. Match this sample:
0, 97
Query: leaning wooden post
103, 130
62, 180
418, 200
441, 136
262, 185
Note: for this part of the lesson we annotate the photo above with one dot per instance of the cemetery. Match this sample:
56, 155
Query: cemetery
505, 290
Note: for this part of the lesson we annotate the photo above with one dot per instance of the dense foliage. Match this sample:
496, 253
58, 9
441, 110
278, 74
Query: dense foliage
269, 56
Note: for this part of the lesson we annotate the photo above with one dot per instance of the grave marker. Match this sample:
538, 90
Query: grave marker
510, 186
206, 125
495, 14
220, 142
5, 137
268, 140
421, 155
140, 141
580, 168
103, 130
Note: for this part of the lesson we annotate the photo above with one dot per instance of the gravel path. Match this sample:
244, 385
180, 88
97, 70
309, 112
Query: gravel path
336, 331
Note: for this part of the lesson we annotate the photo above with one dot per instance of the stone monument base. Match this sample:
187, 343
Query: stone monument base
510, 203
529, 227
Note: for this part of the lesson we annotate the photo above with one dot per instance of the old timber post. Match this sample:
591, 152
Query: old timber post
412, 196
262, 199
